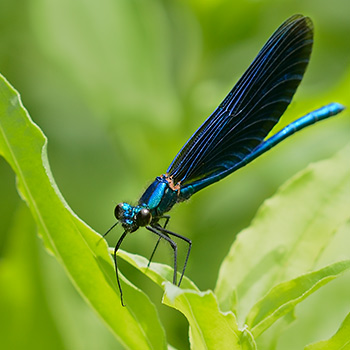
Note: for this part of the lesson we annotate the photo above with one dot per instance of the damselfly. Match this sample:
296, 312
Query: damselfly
232, 136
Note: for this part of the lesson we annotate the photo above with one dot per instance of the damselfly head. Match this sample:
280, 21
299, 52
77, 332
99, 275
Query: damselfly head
132, 217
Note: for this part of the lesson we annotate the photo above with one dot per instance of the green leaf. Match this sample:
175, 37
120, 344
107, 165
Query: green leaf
209, 327
339, 341
288, 235
82, 251
270, 339
285, 296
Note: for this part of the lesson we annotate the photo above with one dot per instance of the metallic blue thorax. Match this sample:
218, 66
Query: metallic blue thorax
159, 197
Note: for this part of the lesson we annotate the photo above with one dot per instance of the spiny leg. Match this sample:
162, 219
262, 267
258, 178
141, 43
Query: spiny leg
164, 235
167, 218
116, 265
167, 232
115, 259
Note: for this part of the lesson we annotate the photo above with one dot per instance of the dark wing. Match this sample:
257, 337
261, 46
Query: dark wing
252, 108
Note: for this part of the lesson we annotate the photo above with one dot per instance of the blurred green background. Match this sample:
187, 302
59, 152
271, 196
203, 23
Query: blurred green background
118, 86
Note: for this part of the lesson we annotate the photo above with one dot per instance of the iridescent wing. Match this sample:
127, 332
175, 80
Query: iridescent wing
251, 109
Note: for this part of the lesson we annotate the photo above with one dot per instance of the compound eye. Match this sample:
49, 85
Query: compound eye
143, 217
119, 211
